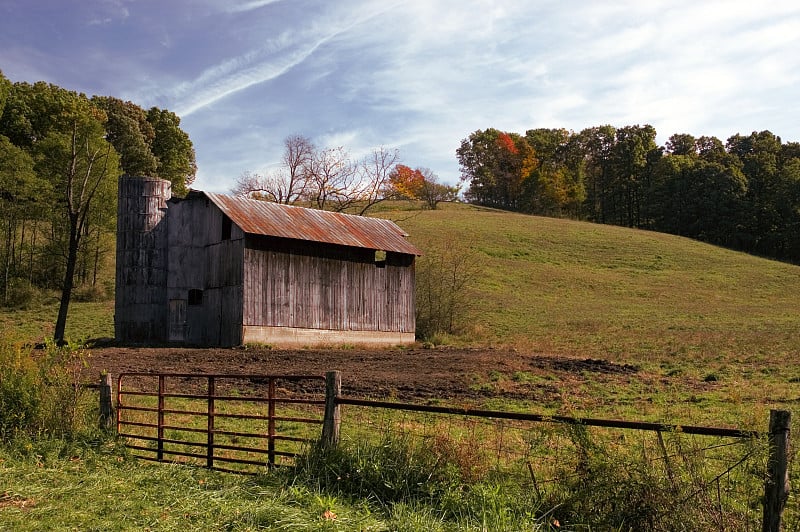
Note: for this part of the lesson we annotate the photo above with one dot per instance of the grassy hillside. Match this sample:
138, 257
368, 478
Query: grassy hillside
577, 288
86, 320
712, 328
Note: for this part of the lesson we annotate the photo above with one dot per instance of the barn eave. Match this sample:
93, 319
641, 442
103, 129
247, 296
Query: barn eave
272, 219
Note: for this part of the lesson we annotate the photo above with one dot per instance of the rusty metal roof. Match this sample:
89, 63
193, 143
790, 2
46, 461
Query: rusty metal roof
273, 219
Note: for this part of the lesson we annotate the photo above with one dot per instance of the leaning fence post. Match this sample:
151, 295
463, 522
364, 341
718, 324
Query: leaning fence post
332, 419
776, 486
107, 416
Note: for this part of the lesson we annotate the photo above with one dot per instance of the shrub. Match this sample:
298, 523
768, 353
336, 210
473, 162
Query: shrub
390, 471
90, 293
614, 487
20, 400
22, 295
40, 393
443, 292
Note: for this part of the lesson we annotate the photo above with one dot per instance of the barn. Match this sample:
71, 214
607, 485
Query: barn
215, 270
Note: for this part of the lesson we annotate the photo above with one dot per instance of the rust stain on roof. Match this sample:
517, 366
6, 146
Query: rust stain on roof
273, 219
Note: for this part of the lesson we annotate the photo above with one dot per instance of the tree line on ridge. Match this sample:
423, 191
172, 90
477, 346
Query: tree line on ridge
743, 194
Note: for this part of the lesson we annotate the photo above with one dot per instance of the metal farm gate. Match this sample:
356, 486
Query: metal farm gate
247, 422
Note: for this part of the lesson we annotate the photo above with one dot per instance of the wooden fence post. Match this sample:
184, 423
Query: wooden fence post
776, 486
332, 419
107, 417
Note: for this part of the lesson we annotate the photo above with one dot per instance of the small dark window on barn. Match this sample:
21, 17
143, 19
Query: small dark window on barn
380, 258
226, 228
195, 297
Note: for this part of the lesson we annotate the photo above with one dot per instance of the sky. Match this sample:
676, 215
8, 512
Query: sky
418, 75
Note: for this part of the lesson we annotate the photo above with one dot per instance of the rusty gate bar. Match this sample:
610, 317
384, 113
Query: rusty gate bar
271, 422
162, 389
157, 444
211, 411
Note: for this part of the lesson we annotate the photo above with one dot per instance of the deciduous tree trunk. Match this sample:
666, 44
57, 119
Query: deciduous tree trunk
69, 279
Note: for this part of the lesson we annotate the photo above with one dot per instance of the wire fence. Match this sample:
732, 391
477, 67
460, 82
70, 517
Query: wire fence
660, 480
646, 475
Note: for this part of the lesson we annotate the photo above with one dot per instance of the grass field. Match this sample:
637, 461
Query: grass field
575, 288
103, 489
85, 321
565, 287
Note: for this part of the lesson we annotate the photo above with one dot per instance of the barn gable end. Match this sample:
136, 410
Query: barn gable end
205, 276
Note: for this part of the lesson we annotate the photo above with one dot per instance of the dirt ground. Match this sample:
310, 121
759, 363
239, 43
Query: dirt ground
414, 374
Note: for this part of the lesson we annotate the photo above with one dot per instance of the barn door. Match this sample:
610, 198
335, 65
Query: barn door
177, 320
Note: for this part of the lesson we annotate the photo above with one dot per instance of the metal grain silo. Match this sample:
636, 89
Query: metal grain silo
140, 313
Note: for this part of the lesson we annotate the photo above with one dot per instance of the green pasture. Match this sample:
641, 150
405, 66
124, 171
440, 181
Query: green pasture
714, 334
35, 324
579, 289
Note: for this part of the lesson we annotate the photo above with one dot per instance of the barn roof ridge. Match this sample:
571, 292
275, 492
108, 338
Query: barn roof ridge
300, 223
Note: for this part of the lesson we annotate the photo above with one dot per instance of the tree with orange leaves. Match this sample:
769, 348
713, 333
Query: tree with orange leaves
421, 184
405, 182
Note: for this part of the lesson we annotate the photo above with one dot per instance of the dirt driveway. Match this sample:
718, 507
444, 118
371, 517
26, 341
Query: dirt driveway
404, 374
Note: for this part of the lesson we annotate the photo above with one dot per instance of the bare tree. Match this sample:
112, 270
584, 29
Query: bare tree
297, 156
375, 172
332, 179
80, 163
274, 187
327, 179
287, 185
445, 276
432, 192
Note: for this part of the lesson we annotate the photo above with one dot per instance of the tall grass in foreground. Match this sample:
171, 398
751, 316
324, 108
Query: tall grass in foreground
393, 483
40, 393
398, 474
611, 487
54, 485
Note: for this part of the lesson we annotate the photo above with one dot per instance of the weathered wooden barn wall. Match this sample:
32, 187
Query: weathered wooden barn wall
140, 309
205, 275
323, 287
188, 272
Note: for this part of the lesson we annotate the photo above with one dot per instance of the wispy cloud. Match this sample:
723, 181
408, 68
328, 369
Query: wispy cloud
423, 75
267, 63
248, 6
240, 73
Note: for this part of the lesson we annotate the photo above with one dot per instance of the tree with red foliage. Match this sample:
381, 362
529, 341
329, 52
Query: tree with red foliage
496, 165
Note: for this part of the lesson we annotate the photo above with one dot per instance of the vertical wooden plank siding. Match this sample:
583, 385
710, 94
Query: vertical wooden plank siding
200, 260
293, 288
187, 273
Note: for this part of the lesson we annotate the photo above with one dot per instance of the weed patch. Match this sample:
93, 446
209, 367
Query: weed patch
41, 393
